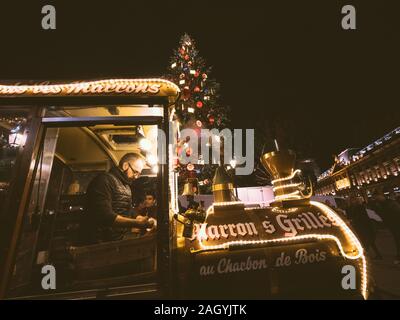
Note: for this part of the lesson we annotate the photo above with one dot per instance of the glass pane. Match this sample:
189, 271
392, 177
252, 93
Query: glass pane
90, 215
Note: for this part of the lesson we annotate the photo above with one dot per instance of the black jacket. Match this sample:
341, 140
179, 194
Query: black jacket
108, 195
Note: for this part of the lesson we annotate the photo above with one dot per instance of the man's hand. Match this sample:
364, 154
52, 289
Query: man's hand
139, 222
142, 222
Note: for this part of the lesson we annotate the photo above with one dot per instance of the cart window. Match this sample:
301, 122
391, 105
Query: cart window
82, 209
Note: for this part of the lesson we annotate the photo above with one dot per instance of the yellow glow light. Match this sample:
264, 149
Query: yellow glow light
287, 178
291, 185
65, 87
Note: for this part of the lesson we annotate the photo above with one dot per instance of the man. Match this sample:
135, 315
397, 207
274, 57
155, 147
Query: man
389, 211
109, 202
149, 207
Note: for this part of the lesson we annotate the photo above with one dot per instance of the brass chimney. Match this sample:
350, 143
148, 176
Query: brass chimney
286, 184
222, 186
280, 164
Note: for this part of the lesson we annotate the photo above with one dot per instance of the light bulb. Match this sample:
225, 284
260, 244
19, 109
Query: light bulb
152, 159
145, 144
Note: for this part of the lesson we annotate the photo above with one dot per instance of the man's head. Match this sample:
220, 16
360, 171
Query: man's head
149, 200
132, 165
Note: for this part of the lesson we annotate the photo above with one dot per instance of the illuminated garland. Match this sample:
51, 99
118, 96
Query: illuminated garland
71, 87
291, 185
290, 196
287, 178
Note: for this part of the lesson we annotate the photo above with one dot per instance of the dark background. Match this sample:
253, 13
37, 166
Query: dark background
275, 60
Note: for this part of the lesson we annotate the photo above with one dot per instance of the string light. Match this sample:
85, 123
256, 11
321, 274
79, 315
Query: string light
98, 85
281, 210
291, 185
291, 176
290, 196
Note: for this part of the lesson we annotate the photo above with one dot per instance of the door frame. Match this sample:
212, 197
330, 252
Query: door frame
33, 145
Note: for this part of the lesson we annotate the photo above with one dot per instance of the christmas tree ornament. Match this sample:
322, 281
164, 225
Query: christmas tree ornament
187, 57
193, 72
190, 167
196, 89
188, 152
182, 75
204, 76
199, 123
199, 104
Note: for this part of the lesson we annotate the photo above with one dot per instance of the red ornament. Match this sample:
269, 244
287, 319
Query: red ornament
188, 152
196, 74
196, 89
211, 120
182, 51
187, 57
199, 104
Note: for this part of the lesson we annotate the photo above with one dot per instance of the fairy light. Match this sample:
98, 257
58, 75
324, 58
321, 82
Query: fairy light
172, 181
291, 185
72, 87
289, 196
280, 210
227, 203
333, 215
291, 176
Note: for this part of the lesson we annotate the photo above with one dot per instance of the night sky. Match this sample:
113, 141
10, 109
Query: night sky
289, 58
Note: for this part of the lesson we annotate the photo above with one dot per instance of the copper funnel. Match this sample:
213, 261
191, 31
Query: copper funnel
280, 164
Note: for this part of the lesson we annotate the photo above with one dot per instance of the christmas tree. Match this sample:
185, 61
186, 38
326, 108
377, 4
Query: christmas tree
198, 106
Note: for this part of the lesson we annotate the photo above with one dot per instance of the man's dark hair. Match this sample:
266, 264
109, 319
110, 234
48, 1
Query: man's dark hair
150, 193
130, 157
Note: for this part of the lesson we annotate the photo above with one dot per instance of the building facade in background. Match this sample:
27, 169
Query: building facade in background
361, 171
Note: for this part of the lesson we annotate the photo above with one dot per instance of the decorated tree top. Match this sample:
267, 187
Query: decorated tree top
200, 93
